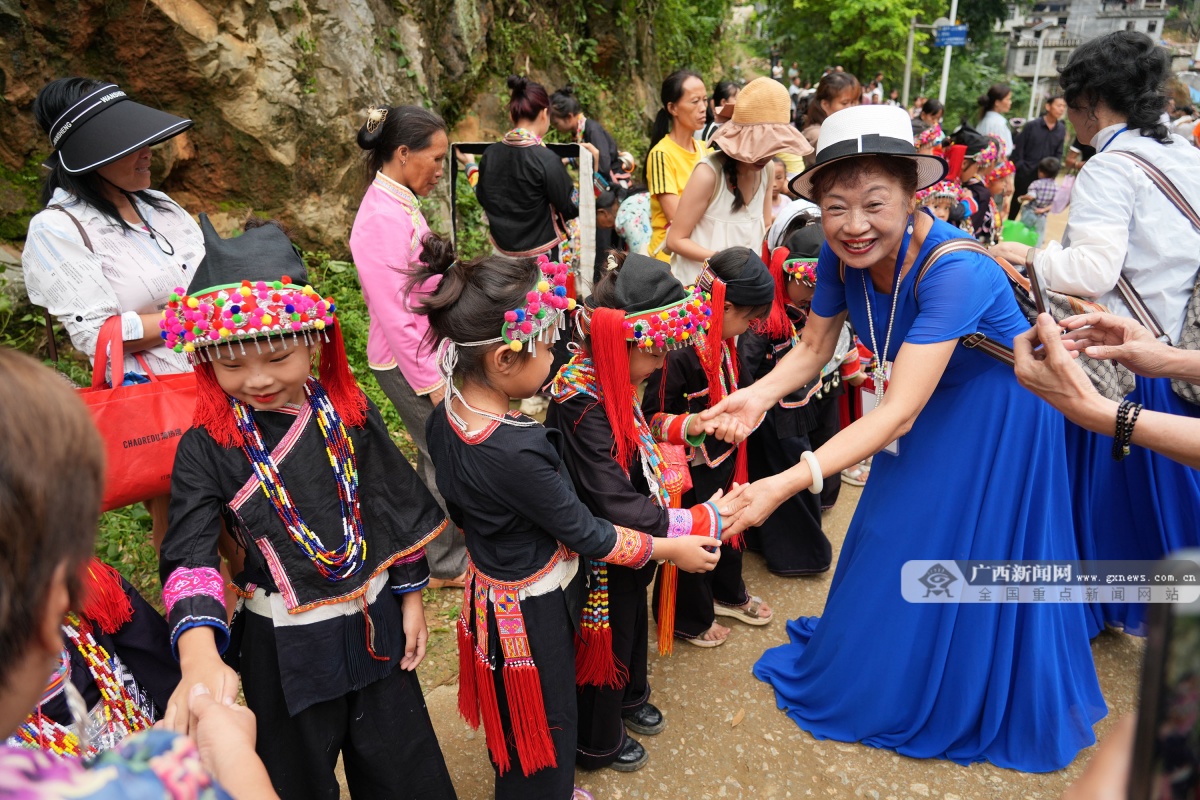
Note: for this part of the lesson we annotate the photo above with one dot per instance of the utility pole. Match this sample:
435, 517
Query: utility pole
908, 56
1039, 31
946, 60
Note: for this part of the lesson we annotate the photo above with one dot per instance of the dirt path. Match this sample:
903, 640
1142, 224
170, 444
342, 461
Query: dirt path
725, 737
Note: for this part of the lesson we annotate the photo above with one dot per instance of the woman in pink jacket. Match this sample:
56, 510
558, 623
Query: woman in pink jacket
405, 150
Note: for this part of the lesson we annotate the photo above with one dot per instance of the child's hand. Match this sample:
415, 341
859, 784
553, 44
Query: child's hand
857, 380
693, 553
201, 665
225, 736
416, 632
729, 505
725, 427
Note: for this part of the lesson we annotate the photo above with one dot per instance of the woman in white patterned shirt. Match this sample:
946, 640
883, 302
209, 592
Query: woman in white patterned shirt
106, 246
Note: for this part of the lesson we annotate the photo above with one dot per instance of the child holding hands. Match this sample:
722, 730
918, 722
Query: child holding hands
303, 472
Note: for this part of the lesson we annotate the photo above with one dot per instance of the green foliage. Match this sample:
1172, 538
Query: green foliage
869, 36
687, 33
472, 232
972, 70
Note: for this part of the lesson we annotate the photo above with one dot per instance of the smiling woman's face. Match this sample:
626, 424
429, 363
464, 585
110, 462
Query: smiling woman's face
864, 216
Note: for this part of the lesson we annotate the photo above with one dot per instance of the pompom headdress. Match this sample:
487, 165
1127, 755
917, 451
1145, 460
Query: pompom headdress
252, 291
1003, 170
541, 320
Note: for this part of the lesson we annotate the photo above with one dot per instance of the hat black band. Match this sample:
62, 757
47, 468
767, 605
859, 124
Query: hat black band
870, 144
83, 110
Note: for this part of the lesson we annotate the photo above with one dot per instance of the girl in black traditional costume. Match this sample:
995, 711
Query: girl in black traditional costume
791, 540
740, 290
505, 484
330, 627
638, 312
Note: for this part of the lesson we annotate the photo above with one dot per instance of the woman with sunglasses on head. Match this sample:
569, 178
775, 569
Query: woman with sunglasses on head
107, 245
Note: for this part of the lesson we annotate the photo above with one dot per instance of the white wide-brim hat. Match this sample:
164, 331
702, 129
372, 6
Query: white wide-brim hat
868, 131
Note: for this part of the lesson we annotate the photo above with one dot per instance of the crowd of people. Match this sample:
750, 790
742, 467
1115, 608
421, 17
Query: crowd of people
788, 295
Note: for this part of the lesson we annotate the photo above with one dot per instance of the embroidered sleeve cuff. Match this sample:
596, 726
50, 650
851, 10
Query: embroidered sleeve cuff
472, 170
633, 548
220, 631
672, 429
409, 574
184, 583
701, 520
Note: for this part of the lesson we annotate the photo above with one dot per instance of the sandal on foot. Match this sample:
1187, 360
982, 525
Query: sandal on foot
581, 794
748, 613
700, 641
857, 475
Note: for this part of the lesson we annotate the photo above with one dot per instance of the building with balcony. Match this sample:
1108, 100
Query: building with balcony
1071, 22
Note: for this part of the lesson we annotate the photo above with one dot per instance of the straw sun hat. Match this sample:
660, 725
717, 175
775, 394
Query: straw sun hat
761, 125
863, 131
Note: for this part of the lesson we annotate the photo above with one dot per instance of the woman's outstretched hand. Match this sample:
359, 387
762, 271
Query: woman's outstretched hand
1051, 372
736, 417
760, 499
729, 506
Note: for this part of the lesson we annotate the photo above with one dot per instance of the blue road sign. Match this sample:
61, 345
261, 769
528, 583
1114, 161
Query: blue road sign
950, 36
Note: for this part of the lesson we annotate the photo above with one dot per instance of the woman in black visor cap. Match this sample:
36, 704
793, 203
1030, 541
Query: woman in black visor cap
107, 245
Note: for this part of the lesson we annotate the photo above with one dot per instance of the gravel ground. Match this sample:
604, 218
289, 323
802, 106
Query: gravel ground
726, 738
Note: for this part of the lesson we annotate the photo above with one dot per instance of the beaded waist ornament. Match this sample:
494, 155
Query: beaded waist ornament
477, 698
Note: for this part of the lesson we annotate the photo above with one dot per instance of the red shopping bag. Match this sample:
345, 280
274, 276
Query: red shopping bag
140, 424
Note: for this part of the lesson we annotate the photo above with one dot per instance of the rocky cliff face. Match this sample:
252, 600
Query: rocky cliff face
278, 89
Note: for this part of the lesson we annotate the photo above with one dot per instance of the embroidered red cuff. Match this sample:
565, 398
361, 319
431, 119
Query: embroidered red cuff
670, 428
633, 548
695, 521
184, 583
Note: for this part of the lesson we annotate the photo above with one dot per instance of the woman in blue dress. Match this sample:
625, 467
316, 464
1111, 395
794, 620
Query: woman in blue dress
979, 473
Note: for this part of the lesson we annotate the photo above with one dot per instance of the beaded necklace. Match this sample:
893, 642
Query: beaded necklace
344, 561
120, 711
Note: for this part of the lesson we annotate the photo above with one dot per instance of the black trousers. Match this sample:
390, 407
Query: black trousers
601, 728
382, 731
551, 630
1021, 181
791, 539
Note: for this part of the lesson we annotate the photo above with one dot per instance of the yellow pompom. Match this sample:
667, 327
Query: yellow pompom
685, 335
224, 332
319, 324
515, 345
266, 319
244, 291
571, 304
664, 316
193, 302
543, 286
189, 348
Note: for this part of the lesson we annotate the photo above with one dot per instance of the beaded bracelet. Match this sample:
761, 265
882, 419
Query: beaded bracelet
1127, 414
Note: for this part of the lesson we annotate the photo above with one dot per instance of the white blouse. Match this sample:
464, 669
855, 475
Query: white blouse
125, 274
994, 124
1120, 223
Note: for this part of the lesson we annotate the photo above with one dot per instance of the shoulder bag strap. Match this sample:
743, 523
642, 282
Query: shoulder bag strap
976, 341
1126, 289
87, 242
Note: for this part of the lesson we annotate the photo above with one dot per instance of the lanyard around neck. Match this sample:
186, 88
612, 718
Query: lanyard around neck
1113, 138
881, 357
